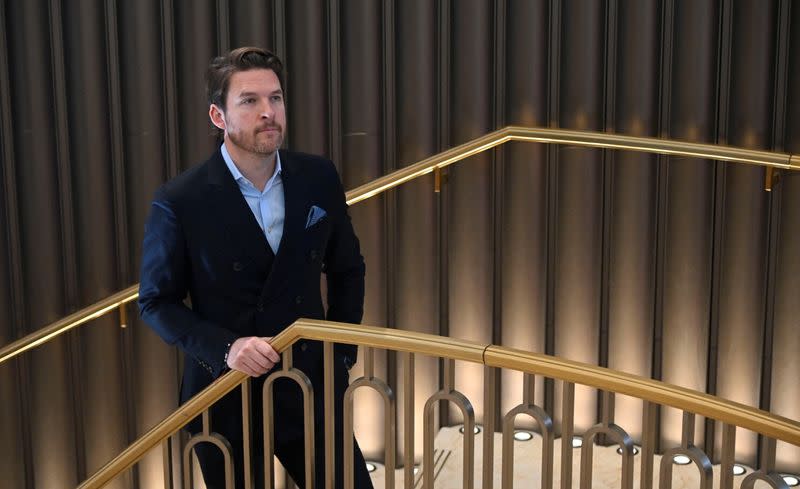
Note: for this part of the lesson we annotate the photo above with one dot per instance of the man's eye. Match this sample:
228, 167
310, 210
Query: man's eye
248, 101
277, 98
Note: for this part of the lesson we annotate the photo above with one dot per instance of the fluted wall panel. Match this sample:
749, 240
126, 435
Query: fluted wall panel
675, 268
469, 203
253, 23
687, 266
362, 142
41, 237
633, 230
94, 232
196, 40
13, 433
416, 284
579, 201
308, 76
10, 426
147, 164
785, 362
745, 235
524, 251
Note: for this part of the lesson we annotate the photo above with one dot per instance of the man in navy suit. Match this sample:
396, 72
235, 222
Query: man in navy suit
245, 235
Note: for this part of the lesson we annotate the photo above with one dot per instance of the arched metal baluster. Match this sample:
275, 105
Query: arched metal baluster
457, 398
247, 434
689, 450
304, 382
408, 421
767, 458
206, 436
390, 411
766, 468
489, 414
649, 411
625, 442
330, 416
727, 457
772, 478
545, 425
567, 426
166, 448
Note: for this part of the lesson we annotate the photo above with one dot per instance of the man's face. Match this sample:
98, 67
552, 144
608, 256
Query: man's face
255, 118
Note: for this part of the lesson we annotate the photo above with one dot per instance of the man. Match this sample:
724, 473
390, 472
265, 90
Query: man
246, 235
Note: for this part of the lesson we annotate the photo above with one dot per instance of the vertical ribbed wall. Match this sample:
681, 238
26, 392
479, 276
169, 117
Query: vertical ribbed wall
674, 268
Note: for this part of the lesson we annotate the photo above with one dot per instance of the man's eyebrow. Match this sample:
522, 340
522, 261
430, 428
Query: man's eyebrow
254, 94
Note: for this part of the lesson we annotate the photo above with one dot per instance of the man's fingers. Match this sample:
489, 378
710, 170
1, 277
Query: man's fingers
266, 349
253, 356
250, 367
254, 367
261, 352
259, 362
242, 365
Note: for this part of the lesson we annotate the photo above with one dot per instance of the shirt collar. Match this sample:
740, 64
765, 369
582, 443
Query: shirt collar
237, 175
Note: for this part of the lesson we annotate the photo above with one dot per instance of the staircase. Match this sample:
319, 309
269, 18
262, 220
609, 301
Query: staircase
640, 457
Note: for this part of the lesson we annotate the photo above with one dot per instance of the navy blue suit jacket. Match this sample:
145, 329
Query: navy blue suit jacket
203, 242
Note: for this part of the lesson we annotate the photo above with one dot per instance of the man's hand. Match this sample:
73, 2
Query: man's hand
252, 355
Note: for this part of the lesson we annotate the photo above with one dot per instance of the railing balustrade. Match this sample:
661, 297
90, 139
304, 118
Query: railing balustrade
568, 373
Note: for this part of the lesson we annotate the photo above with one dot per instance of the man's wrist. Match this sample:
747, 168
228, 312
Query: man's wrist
225, 358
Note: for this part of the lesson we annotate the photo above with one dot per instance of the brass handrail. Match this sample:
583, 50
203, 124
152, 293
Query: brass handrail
448, 157
729, 412
67, 323
573, 138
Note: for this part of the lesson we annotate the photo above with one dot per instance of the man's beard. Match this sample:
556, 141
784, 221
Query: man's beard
256, 146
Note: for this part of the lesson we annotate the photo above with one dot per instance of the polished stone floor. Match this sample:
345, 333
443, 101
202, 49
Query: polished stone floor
606, 469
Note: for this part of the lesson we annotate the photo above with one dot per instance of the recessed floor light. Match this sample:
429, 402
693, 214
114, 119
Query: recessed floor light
371, 467
635, 450
476, 429
739, 469
523, 435
791, 480
577, 442
681, 460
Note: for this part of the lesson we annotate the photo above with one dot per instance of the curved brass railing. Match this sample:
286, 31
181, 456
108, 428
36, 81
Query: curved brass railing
442, 160
605, 379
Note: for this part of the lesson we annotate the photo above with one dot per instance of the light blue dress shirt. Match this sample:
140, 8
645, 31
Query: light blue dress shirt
268, 206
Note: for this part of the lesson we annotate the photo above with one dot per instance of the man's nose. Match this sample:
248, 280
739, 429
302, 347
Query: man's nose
267, 112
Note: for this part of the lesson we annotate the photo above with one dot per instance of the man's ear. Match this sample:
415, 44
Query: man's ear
217, 116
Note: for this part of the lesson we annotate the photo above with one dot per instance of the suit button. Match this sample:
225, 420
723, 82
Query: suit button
237, 266
260, 306
298, 300
313, 255
303, 347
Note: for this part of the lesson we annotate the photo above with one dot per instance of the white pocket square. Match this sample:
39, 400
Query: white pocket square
315, 215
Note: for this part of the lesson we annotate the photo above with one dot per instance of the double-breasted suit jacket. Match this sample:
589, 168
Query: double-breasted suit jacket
202, 242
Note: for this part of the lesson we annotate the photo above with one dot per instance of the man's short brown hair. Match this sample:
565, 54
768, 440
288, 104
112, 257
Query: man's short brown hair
246, 58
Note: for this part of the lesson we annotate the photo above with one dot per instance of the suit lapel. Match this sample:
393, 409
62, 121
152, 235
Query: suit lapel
232, 210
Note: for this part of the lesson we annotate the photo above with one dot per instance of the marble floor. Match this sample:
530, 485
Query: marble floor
606, 468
